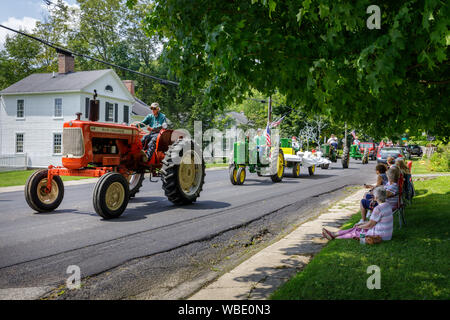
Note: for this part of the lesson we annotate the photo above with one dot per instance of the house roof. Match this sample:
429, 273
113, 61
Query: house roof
140, 108
45, 82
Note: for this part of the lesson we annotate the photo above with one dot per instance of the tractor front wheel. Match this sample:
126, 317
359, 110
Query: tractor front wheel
183, 172
36, 194
325, 166
240, 175
233, 174
111, 195
311, 170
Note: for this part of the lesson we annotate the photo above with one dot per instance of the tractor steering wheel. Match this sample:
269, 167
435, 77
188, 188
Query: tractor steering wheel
144, 130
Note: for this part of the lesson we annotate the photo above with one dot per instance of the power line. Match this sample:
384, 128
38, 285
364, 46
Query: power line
69, 52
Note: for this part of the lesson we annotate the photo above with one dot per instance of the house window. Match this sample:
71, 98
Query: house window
57, 139
19, 142
58, 108
20, 109
126, 110
108, 88
86, 107
109, 111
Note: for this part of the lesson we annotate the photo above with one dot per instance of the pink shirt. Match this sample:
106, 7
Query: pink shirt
382, 215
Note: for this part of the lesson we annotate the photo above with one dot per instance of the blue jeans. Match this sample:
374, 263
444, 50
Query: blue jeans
368, 202
150, 141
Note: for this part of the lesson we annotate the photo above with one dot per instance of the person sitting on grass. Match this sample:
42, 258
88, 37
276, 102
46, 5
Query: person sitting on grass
391, 191
381, 221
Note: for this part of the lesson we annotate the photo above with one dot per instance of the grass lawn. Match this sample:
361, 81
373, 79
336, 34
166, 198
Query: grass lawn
18, 178
217, 165
415, 264
419, 167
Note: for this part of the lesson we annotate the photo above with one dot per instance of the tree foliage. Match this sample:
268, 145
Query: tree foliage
105, 30
318, 53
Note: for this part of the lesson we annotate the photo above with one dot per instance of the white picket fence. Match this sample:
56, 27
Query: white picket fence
9, 162
428, 151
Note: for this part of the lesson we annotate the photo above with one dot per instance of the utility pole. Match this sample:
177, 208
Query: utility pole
269, 113
345, 134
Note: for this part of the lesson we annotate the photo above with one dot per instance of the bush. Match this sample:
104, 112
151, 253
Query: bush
440, 160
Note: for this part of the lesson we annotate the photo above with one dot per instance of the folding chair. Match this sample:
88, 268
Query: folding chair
408, 190
409, 164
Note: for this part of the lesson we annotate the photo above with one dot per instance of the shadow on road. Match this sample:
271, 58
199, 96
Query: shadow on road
154, 205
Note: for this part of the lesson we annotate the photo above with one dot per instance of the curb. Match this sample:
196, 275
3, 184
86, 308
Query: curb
260, 275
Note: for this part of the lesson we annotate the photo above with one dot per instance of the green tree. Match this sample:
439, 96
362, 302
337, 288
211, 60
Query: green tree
18, 59
318, 53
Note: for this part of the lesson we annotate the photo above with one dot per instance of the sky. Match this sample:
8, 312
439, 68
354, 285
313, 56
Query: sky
23, 14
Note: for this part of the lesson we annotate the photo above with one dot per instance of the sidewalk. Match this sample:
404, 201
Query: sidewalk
259, 276
83, 181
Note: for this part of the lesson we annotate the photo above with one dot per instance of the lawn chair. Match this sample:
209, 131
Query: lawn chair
409, 164
408, 190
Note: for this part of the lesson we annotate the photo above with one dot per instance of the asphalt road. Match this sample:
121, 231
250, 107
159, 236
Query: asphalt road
36, 249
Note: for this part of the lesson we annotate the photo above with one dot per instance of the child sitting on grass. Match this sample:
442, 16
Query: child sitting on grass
381, 222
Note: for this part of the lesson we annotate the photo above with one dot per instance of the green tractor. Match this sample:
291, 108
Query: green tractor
329, 152
356, 154
264, 161
291, 159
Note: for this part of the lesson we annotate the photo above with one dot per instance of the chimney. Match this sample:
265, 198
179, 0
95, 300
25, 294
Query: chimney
130, 86
66, 63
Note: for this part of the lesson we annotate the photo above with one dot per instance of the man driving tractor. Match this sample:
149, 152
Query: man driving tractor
333, 141
154, 122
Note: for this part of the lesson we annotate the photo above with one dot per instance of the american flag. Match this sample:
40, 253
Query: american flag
267, 134
277, 122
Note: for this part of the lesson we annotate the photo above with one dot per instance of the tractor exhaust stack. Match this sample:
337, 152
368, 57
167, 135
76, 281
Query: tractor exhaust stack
94, 108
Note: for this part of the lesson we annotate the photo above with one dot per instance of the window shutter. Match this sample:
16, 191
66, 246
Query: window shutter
116, 112
126, 111
106, 111
86, 108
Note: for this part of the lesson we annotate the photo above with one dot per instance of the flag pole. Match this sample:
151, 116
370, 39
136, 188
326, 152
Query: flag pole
269, 115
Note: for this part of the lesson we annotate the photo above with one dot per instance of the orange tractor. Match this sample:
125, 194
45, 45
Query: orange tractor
112, 152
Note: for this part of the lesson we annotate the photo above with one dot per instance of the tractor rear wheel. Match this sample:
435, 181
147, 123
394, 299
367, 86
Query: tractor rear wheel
296, 170
36, 195
240, 175
365, 157
183, 172
345, 158
233, 174
311, 170
325, 166
278, 175
111, 195
135, 182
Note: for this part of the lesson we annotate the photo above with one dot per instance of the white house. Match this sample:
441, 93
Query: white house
33, 110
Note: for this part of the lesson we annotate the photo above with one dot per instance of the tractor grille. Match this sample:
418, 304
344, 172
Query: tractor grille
73, 145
